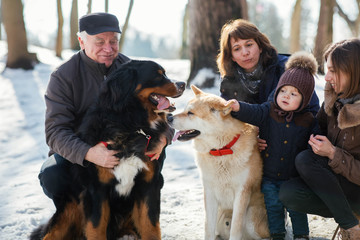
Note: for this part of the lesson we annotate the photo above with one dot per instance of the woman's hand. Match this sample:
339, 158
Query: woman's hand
322, 146
155, 153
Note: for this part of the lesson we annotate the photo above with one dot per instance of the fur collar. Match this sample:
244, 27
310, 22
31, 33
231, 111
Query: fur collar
348, 115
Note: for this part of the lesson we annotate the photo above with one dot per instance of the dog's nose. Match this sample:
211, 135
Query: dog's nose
181, 85
170, 118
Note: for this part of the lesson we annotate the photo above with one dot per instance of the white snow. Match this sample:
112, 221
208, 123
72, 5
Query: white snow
23, 205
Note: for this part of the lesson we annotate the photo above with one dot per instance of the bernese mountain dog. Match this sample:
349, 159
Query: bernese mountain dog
102, 203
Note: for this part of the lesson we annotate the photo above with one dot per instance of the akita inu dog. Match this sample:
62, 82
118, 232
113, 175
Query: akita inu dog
230, 166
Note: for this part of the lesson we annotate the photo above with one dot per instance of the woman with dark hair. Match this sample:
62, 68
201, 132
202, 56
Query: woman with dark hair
329, 182
249, 64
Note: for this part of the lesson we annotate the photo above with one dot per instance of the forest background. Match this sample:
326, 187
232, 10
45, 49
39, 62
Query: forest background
178, 29
183, 37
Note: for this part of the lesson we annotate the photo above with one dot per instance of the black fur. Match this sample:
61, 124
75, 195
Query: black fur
117, 115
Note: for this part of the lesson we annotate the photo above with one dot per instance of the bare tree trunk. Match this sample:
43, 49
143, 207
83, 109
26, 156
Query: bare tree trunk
13, 20
124, 28
89, 6
58, 48
106, 5
295, 28
244, 9
184, 51
324, 34
354, 25
206, 18
74, 43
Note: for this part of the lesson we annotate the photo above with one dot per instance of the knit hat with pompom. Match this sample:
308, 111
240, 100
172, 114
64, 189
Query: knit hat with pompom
299, 72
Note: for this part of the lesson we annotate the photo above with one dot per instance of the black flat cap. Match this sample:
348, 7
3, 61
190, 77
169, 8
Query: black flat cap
95, 23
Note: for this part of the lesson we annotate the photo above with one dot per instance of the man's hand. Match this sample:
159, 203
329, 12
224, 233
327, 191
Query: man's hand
101, 156
158, 149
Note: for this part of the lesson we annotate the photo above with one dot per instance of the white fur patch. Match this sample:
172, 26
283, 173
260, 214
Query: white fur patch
125, 173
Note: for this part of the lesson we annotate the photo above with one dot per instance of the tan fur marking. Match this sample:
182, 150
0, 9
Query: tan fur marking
149, 173
72, 215
166, 90
105, 175
99, 232
142, 222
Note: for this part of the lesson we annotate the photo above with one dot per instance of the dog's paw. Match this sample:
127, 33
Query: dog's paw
128, 237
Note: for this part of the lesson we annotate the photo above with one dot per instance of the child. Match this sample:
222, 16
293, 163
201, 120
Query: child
286, 124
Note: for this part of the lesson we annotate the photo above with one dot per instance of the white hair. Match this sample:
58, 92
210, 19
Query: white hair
83, 35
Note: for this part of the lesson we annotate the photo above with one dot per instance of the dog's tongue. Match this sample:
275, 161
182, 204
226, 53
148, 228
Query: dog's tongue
176, 136
163, 103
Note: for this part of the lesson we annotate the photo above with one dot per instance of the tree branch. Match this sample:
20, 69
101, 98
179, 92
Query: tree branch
345, 16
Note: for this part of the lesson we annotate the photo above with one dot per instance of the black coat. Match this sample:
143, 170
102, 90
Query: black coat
284, 139
72, 88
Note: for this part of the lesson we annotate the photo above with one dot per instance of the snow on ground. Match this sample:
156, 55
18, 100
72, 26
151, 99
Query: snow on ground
23, 206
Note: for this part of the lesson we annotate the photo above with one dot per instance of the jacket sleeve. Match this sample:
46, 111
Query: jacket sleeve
345, 164
255, 114
322, 120
60, 121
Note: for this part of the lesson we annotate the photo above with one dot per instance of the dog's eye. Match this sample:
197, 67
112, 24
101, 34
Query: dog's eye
212, 109
190, 113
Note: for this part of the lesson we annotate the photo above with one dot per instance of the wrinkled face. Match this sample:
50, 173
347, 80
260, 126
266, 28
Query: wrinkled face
102, 47
338, 81
289, 98
246, 53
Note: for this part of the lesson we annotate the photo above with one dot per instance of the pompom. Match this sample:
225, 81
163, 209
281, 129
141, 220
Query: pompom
302, 60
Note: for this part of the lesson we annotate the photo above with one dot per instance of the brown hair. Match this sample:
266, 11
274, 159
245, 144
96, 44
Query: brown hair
241, 29
344, 56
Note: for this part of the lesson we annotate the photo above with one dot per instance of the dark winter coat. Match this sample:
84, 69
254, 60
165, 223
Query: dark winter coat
341, 125
71, 90
230, 87
284, 139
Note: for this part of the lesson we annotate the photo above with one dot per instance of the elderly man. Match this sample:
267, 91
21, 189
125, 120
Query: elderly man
72, 88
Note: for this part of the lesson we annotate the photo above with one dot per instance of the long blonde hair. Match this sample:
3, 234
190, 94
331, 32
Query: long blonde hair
241, 29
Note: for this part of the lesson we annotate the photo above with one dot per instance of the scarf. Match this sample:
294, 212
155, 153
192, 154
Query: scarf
340, 102
250, 81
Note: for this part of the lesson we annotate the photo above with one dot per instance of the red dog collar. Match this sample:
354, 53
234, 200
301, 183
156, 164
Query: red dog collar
225, 150
148, 137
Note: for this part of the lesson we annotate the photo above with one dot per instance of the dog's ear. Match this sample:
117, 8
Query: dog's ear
196, 90
119, 88
227, 107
